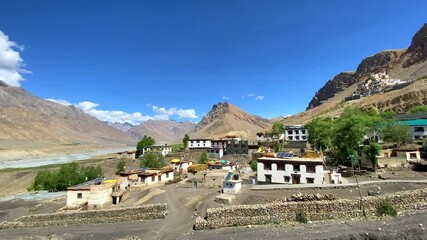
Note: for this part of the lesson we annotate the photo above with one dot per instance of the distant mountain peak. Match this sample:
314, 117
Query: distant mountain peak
3, 84
225, 119
169, 131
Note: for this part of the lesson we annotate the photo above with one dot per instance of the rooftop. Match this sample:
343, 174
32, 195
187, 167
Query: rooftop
292, 159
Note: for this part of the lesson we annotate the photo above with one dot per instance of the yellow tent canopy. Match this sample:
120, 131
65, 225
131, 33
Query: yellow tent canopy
176, 160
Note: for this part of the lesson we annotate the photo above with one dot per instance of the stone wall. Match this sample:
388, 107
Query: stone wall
145, 212
317, 210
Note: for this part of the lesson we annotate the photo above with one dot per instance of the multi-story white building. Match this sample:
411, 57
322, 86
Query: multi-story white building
290, 170
218, 148
199, 143
163, 148
296, 133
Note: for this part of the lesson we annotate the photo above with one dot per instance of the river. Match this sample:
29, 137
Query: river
43, 161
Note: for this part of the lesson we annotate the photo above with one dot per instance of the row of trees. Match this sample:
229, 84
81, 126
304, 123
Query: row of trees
68, 175
342, 136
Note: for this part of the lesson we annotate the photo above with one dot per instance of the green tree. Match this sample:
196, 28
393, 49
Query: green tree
321, 133
373, 151
68, 175
254, 165
419, 108
153, 160
144, 142
349, 130
395, 132
277, 130
185, 140
121, 166
203, 158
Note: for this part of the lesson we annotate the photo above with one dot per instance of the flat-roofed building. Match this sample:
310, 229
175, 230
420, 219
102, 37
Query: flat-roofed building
290, 169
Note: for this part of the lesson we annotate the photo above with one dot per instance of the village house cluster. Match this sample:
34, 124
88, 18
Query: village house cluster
297, 166
377, 83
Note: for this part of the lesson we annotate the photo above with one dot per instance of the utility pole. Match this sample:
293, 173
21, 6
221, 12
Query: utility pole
352, 158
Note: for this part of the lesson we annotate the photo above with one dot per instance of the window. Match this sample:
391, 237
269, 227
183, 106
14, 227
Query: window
267, 166
287, 179
289, 131
310, 180
296, 137
167, 175
304, 138
268, 178
303, 131
419, 129
280, 167
412, 155
296, 168
311, 169
79, 195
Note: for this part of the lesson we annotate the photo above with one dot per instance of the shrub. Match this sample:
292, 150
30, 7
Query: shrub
302, 217
121, 166
387, 208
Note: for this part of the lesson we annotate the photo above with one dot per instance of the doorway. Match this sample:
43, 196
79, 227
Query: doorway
296, 179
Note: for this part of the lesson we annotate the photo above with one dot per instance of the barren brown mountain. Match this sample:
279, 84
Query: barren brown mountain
162, 130
404, 64
227, 119
32, 126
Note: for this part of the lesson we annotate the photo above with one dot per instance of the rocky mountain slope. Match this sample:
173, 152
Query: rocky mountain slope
26, 121
162, 130
404, 64
227, 119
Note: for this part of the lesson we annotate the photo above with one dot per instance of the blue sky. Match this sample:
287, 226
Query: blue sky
137, 60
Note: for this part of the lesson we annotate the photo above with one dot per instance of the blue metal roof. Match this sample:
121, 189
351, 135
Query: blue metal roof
228, 177
416, 122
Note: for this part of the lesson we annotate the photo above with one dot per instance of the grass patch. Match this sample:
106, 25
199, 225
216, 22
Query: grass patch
421, 78
387, 208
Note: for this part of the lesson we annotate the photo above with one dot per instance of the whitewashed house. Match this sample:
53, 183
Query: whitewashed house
296, 133
218, 148
163, 148
232, 183
290, 170
199, 143
96, 193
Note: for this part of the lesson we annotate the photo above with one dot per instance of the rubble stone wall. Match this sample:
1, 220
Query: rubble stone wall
145, 212
242, 215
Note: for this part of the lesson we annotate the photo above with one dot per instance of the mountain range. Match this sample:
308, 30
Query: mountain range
30, 125
408, 64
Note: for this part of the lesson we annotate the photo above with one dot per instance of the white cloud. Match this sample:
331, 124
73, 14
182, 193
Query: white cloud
225, 98
86, 106
164, 114
11, 63
60, 101
253, 96
133, 118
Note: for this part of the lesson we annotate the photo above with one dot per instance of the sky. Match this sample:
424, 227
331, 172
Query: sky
131, 61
